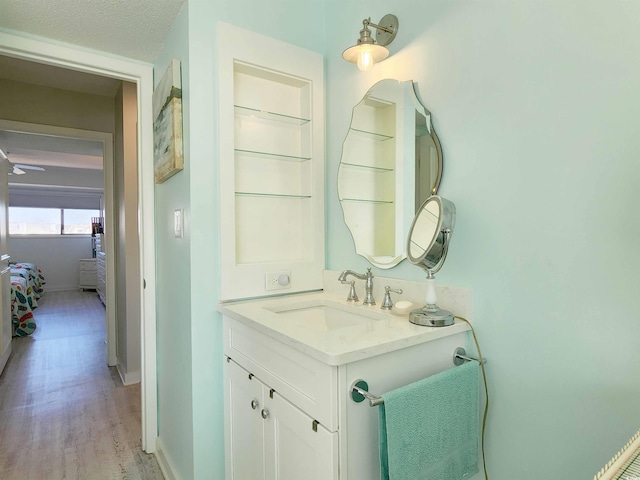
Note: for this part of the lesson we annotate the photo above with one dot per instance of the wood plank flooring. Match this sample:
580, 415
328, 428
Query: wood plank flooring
63, 413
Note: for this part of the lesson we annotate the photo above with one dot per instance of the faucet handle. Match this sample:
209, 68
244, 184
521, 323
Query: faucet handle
387, 304
353, 296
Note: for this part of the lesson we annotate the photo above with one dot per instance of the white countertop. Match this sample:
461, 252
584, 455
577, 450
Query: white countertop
326, 327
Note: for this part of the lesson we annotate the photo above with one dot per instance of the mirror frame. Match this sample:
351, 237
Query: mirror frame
421, 198
405, 209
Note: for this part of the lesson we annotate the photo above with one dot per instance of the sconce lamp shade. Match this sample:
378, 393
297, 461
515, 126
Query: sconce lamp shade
368, 50
365, 55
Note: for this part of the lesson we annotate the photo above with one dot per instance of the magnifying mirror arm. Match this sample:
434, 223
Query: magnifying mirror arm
431, 298
445, 249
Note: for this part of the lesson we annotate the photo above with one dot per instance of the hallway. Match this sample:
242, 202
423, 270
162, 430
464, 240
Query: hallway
63, 413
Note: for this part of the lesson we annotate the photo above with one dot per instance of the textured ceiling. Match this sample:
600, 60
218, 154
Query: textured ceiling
130, 28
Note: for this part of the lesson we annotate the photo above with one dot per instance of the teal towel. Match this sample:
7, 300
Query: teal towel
429, 429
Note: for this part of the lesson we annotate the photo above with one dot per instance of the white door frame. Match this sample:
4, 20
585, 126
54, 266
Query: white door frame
107, 148
141, 74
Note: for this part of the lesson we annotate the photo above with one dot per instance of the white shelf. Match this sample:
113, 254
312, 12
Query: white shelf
378, 137
268, 155
368, 167
276, 195
269, 116
366, 200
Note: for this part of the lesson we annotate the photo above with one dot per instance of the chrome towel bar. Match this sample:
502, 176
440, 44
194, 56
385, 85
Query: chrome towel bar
359, 390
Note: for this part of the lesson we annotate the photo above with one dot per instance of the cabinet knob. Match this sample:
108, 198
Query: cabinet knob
265, 413
255, 404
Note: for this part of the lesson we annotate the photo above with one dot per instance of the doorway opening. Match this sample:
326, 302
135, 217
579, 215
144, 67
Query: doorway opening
141, 76
40, 189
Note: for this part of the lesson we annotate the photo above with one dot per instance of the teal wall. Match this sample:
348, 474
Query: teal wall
197, 446
173, 282
536, 104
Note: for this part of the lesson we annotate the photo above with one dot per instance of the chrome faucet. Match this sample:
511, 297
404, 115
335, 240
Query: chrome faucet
353, 296
387, 304
368, 296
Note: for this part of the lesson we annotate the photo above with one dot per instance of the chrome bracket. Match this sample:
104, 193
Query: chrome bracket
356, 396
360, 391
460, 356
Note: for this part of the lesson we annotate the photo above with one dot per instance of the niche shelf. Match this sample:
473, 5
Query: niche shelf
277, 156
269, 116
278, 195
364, 200
378, 137
368, 167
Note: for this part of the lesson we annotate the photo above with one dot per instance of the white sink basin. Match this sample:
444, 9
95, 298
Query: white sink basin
331, 330
320, 316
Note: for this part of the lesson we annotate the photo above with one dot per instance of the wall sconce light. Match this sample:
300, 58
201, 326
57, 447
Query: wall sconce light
367, 51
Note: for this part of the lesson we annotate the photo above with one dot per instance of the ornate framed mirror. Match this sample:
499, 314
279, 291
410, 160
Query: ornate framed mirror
391, 163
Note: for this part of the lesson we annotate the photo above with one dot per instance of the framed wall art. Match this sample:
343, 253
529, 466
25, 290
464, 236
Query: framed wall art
167, 124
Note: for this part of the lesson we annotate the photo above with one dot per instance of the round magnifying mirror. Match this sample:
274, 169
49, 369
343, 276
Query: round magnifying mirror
427, 247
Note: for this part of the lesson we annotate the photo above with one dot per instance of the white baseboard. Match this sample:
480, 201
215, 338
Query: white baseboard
5, 357
129, 378
163, 461
59, 288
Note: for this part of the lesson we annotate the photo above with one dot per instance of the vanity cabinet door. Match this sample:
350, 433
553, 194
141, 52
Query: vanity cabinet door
269, 438
294, 448
243, 424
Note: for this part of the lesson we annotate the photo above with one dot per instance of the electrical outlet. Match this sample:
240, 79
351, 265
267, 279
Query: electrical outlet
278, 280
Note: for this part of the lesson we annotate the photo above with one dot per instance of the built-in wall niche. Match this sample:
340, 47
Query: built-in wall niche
271, 166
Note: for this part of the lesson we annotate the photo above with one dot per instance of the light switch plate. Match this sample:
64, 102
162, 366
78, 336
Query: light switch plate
178, 223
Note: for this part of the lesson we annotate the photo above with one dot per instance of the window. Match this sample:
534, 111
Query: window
50, 221
75, 221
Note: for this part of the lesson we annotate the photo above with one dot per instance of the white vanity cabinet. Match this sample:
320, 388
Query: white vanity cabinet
269, 438
313, 429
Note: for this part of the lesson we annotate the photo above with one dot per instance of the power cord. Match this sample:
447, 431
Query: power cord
486, 392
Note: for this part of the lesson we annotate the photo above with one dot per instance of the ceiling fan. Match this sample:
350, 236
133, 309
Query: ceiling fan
18, 168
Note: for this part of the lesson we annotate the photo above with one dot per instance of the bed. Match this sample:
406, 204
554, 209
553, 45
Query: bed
27, 287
